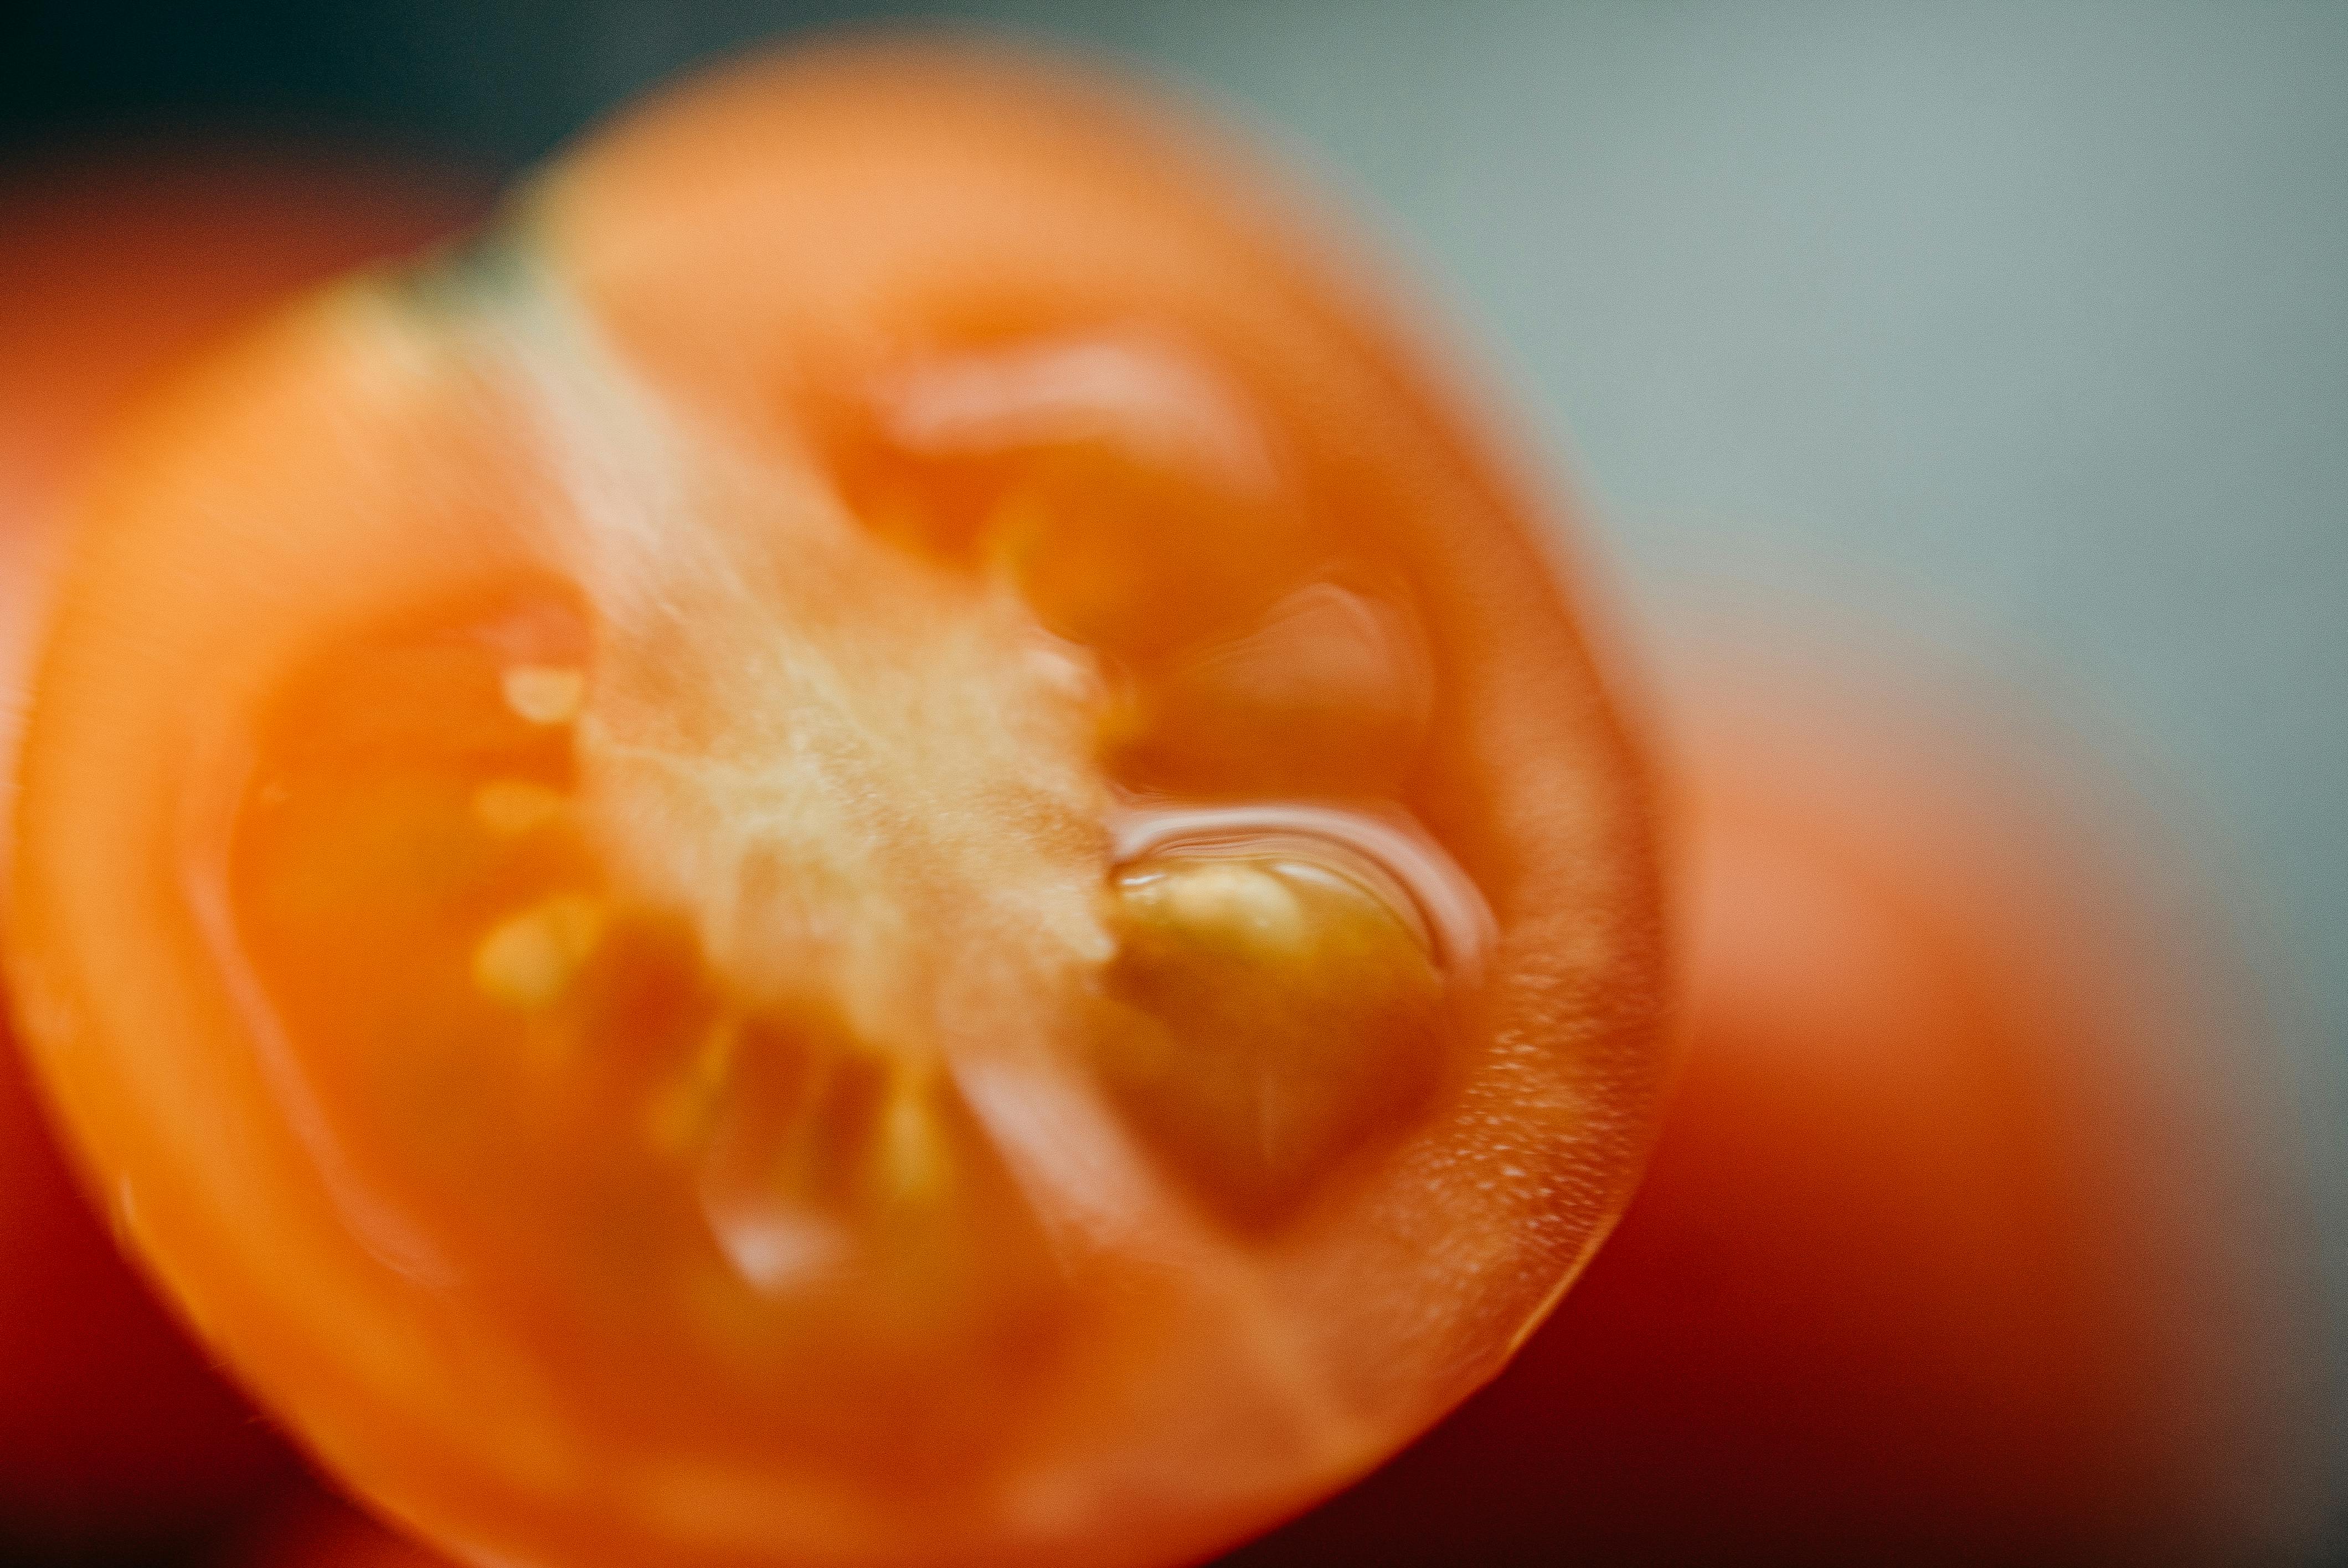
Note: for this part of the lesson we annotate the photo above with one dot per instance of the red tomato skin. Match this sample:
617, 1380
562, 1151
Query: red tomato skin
116, 263
1904, 1283
323, 1533
104, 1405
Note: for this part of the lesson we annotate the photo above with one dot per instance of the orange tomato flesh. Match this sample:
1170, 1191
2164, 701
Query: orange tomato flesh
888, 852
1959, 1244
116, 263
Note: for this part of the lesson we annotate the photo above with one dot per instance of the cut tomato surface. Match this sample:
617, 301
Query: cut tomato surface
1964, 1241
116, 264
881, 842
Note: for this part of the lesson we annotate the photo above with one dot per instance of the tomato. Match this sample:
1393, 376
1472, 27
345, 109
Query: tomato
113, 267
1953, 1248
883, 842
328, 1534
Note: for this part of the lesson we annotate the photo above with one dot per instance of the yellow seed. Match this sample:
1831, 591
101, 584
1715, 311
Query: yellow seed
1284, 1014
511, 807
912, 1159
682, 1111
545, 693
528, 960
1239, 903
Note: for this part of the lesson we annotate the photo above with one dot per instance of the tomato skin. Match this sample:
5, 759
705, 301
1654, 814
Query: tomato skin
116, 265
1954, 1248
327, 1533
110, 1423
495, 1419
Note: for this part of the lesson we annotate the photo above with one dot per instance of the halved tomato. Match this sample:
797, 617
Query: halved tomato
116, 264
1962, 1242
881, 843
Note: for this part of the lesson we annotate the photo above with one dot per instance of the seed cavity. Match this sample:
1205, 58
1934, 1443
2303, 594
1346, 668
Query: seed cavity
1391, 856
803, 1156
1279, 1000
528, 961
773, 1246
545, 693
1146, 395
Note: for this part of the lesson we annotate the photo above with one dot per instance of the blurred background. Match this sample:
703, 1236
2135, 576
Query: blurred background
2019, 330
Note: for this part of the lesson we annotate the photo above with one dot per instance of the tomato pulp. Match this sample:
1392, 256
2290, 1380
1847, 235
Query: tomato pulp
883, 842
1959, 1244
113, 267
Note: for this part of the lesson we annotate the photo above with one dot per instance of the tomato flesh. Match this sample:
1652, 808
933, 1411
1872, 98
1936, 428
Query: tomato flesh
1958, 1246
1006, 922
117, 264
